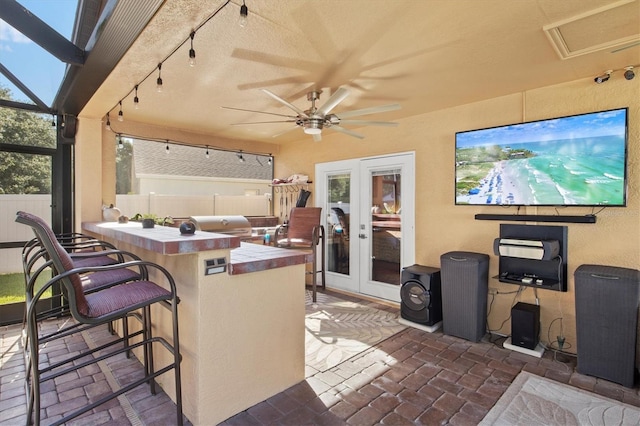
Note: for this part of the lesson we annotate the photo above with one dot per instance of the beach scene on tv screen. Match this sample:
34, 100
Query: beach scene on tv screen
578, 160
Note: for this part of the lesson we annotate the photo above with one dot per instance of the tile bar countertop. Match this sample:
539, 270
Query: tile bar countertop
244, 257
162, 239
255, 257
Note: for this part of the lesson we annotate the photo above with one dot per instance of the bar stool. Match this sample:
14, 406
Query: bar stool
97, 308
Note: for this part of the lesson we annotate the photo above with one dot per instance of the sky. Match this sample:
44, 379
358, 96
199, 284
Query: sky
40, 71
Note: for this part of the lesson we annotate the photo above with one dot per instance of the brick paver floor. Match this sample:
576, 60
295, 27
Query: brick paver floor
414, 377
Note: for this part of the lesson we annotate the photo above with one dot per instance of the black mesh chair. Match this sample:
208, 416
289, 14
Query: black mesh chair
98, 308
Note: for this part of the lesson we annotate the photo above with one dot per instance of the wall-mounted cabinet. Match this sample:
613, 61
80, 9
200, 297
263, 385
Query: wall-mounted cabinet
547, 272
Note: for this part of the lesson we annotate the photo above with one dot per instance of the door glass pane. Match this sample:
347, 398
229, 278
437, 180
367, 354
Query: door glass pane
386, 226
338, 231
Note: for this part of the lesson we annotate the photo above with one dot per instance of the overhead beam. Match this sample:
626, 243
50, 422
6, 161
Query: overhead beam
24, 89
119, 25
20, 18
22, 106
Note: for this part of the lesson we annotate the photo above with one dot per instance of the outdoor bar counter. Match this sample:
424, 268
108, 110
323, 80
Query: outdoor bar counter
241, 327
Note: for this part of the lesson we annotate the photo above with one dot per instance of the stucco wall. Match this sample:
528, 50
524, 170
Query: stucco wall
441, 226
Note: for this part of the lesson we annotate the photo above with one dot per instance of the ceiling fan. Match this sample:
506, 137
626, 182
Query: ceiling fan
313, 120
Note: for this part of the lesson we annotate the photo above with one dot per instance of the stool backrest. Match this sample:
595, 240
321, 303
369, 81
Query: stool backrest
61, 260
302, 221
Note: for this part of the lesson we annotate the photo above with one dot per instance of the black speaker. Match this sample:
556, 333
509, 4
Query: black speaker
525, 325
607, 302
70, 126
421, 296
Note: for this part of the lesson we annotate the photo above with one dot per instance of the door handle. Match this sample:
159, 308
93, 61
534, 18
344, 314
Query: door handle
362, 236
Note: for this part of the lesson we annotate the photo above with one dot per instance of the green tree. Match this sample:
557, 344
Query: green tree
124, 159
24, 173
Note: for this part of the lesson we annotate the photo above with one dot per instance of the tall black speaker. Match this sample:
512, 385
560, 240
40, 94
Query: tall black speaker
420, 295
525, 325
607, 301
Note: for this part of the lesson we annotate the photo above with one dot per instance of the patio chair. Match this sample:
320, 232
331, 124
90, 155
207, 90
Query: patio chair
97, 308
304, 231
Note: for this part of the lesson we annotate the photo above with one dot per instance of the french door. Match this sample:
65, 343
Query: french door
368, 207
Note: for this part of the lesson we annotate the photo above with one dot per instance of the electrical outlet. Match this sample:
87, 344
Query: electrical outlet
493, 290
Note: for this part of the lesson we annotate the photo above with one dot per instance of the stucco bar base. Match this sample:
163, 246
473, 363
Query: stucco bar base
241, 335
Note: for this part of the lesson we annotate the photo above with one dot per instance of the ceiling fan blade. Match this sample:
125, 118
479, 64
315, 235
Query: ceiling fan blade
337, 97
348, 132
369, 123
286, 131
282, 101
259, 112
317, 138
264, 122
371, 110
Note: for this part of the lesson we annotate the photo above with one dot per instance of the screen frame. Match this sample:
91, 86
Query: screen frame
626, 161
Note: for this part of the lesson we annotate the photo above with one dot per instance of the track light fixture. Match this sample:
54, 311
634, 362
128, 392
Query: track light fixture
270, 160
206, 154
166, 150
244, 13
159, 80
192, 52
120, 144
108, 125
120, 115
629, 73
240, 157
604, 77
136, 101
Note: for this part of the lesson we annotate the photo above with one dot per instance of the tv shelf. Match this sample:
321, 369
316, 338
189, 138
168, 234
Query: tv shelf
543, 274
537, 218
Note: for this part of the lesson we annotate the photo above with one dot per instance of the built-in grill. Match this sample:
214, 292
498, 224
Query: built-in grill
231, 225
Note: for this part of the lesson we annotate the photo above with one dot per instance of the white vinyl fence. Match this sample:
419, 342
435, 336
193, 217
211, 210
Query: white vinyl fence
161, 205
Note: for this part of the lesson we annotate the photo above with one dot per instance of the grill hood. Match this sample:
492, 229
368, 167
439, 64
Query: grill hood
231, 225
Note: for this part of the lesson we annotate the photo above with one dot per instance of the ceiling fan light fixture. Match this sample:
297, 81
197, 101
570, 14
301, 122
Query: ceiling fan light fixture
313, 126
312, 130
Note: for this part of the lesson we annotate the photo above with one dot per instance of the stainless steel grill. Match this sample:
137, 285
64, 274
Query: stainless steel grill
231, 225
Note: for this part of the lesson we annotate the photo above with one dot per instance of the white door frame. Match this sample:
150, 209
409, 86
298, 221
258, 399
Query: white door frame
353, 281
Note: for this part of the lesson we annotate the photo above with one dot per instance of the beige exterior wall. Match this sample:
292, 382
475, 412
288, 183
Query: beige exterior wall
441, 226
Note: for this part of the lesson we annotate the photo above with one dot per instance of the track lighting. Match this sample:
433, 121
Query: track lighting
604, 77
120, 115
240, 157
108, 125
166, 150
244, 13
159, 80
629, 74
207, 153
192, 52
270, 160
120, 144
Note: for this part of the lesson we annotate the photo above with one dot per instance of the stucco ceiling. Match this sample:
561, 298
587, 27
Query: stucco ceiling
423, 54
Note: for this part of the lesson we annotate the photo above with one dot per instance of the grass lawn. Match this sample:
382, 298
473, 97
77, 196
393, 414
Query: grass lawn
12, 287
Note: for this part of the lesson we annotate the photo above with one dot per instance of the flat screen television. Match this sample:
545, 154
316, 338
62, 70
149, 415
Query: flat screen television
578, 160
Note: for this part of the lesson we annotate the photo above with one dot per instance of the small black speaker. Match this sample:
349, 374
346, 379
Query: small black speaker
421, 296
70, 127
525, 325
